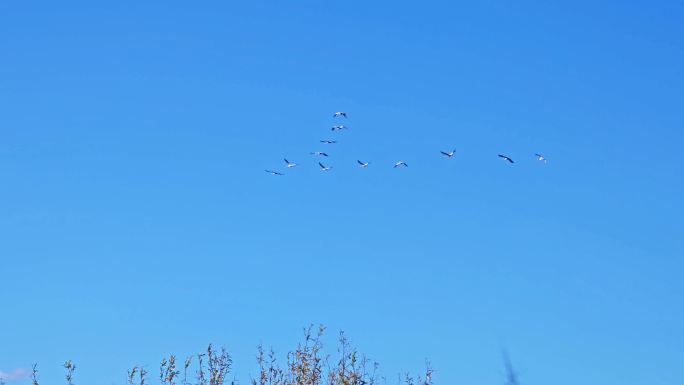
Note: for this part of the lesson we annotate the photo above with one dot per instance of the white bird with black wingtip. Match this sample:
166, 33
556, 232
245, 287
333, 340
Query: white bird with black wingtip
340, 114
363, 164
400, 163
324, 167
274, 172
289, 164
541, 158
506, 158
449, 154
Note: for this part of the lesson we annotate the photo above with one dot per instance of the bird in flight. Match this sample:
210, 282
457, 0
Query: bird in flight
542, 158
511, 375
363, 164
400, 163
506, 158
340, 114
448, 154
274, 172
319, 153
289, 164
328, 141
323, 167
338, 128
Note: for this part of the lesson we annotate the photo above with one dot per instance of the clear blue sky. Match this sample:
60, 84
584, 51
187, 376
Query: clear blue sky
136, 219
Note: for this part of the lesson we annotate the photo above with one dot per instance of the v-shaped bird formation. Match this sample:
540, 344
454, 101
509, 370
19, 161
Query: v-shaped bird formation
365, 164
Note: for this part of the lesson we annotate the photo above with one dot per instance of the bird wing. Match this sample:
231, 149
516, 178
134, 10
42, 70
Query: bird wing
511, 375
444, 153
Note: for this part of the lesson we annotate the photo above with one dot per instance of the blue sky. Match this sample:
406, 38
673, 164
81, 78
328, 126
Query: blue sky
136, 219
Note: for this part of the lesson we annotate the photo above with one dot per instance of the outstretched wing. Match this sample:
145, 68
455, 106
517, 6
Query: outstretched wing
507, 158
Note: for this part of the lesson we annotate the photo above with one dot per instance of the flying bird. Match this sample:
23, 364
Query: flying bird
542, 158
274, 172
329, 141
400, 163
363, 164
319, 153
323, 167
448, 154
338, 128
511, 375
289, 164
340, 114
507, 158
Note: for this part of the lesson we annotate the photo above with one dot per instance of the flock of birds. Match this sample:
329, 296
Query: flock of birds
362, 164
